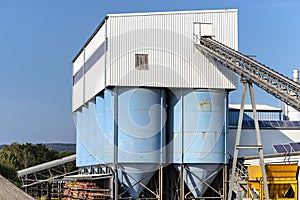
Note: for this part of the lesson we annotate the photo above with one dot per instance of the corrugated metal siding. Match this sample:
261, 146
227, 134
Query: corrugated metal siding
88, 70
168, 39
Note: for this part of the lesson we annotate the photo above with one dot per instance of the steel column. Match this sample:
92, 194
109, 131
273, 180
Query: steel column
259, 143
181, 181
237, 141
115, 118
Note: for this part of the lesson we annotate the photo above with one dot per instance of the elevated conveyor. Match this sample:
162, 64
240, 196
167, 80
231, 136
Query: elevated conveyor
264, 77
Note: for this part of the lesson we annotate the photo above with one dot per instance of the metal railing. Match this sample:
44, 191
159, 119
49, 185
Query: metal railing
264, 77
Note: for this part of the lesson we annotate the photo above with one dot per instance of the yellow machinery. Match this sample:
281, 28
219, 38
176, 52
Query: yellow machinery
281, 178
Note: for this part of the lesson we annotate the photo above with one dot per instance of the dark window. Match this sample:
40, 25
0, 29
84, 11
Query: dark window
141, 61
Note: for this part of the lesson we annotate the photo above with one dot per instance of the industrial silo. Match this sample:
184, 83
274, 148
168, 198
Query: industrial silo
99, 136
125, 68
197, 131
139, 115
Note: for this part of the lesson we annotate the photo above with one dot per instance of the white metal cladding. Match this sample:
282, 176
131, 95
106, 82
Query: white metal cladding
95, 42
167, 38
94, 80
88, 70
77, 95
78, 63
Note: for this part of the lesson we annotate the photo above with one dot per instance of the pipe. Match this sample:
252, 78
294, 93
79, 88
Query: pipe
296, 75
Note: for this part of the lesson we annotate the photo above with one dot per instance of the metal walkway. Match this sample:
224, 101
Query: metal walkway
264, 77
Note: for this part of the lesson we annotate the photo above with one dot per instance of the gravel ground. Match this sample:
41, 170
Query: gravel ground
9, 191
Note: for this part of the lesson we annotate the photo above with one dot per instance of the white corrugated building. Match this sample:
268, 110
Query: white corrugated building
167, 38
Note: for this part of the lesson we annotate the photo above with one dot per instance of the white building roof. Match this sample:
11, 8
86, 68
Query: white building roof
260, 107
170, 12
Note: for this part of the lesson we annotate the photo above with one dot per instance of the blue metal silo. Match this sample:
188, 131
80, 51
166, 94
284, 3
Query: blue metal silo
80, 150
89, 134
196, 127
140, 115
108, 128
82, 137
99, 129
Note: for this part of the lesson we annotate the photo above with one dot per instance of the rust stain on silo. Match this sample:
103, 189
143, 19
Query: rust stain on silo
203, 135
205, 105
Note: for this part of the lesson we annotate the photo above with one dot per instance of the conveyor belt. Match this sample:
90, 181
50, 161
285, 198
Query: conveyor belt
264, 77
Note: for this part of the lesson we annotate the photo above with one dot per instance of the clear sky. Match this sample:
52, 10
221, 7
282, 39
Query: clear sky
39, 38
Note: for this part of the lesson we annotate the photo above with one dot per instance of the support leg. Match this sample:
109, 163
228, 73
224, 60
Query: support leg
259, 143
181, 181
116, 188
161, 182
237, 141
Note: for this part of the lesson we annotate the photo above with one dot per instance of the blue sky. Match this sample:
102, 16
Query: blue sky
39, 38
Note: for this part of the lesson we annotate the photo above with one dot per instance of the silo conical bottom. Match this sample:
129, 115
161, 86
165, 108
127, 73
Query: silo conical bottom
133, 175
202, 171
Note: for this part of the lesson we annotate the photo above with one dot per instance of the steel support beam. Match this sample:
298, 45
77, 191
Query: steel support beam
181, 181
238, 137
237, 141
258, 138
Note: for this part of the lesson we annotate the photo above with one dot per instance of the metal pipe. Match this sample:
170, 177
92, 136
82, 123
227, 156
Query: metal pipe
181, 182
274, 155
115, 111
296, 75
225, 172
182, 149
160, 197
83, 89
105, 55
225, 127
162, 145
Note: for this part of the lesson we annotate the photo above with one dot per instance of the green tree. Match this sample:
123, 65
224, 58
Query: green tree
16, 156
